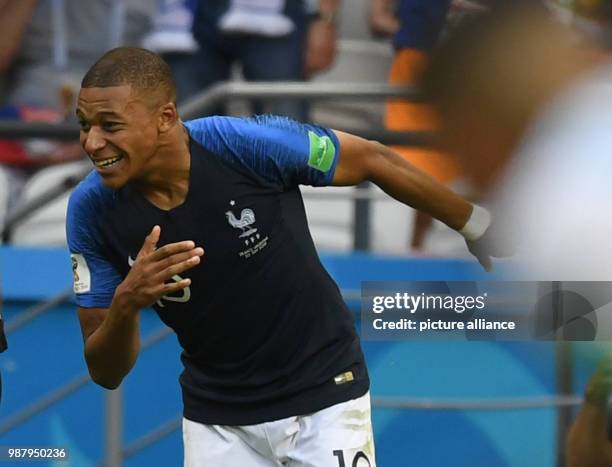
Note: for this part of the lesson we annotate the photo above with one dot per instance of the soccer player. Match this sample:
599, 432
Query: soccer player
274, 373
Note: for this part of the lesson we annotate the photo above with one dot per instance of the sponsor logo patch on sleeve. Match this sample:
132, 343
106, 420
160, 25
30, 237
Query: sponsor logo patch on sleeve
80, 273
322, 152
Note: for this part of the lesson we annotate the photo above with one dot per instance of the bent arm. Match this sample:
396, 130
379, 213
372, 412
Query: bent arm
112, 335
362, 160
112, 342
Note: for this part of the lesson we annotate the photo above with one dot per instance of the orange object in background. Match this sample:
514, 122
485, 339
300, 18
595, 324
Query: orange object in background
407, 68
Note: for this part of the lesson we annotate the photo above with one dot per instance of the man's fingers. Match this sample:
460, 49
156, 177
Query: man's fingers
172, 287
150, 242
480, 251
485, 261
176, 258
178, 268
171, 249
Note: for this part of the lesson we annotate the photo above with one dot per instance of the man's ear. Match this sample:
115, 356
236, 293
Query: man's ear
168, 116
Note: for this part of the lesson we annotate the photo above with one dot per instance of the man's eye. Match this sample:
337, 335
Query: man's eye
110, 126
84, 125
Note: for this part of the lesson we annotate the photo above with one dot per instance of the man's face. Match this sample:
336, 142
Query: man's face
119, 133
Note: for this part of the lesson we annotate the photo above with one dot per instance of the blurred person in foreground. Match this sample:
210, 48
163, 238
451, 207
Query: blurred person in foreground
274, 372
526, 105
511, 89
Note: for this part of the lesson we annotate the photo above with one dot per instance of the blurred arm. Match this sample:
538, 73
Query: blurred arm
14, 17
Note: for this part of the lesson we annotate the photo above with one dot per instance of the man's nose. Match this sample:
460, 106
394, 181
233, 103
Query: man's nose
93, 140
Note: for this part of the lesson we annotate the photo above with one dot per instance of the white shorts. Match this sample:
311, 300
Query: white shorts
339, 436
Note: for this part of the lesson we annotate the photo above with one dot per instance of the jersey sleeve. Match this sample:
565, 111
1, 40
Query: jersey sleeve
94, 277
279, 150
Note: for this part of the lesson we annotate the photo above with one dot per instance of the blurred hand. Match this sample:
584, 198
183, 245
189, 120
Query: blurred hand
382, 19
494, 243
320, 47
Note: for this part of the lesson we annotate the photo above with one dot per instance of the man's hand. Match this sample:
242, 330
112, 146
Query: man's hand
382, 19
147, 280
486, 238
495, 242
480, 250
320, 47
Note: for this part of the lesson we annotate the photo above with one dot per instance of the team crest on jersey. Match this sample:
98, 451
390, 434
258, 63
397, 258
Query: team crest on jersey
245, 223
186, 292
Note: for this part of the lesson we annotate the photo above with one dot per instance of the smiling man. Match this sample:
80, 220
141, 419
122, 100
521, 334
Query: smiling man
273, 369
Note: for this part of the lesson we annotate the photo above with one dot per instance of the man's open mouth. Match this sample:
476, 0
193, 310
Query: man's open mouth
107, 162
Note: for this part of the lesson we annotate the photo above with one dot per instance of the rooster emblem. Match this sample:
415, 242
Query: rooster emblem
247, 218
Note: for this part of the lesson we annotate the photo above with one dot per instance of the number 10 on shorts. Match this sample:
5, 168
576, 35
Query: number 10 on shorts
360, 459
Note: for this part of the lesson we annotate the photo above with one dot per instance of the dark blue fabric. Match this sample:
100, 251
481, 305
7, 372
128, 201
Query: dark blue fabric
9, 112
261, 58
421, 22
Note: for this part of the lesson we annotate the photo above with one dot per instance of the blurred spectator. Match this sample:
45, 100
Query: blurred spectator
273, 40
416, 26
172, 38
48, 45
20, 159
58, 40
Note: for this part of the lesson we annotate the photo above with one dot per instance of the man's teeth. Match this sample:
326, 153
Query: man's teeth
107, 162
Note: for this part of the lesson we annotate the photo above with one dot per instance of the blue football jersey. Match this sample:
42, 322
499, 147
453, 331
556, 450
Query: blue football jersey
263, 327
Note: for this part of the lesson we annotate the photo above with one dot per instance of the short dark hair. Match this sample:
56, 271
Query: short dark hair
140, 68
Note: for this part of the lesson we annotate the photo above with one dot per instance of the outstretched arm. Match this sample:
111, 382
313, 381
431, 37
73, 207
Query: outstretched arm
362, 160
